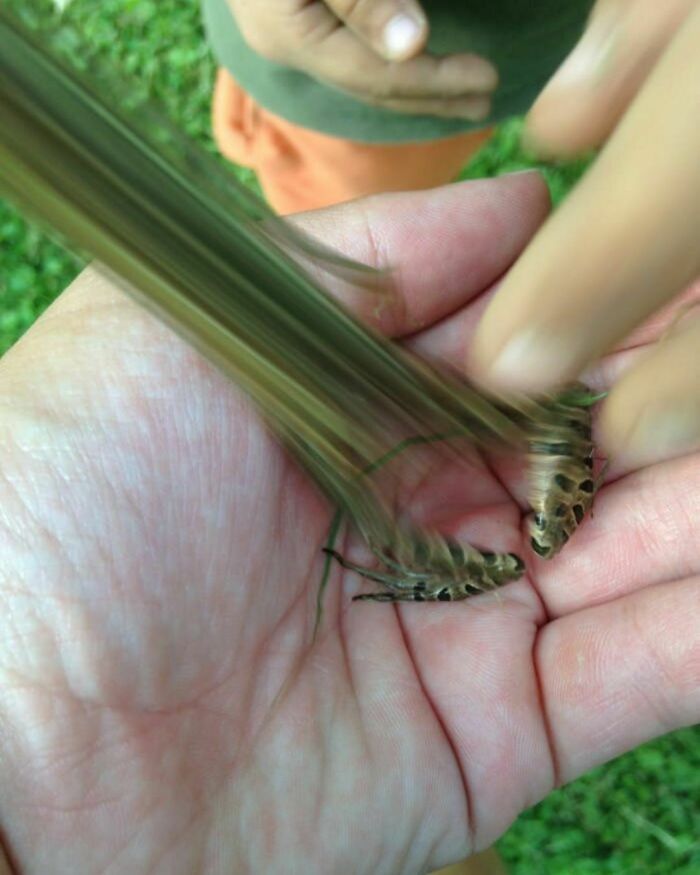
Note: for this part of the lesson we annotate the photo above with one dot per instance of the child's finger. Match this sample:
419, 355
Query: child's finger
344, 61
588, 94
395, 29
474, 109
626, 241
312, 38
653, 411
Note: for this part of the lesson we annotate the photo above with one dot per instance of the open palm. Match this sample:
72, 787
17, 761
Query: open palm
163, 706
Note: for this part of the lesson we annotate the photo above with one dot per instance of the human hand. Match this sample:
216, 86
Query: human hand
626, 241
163, 707
355, 47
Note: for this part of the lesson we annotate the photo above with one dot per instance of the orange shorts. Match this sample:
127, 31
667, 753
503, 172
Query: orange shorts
300, 169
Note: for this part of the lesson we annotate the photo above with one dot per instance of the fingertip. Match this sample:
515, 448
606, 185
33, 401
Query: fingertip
560, 127
638, 432
404, 36
573, 113
477, 109
653, 410
529, 361
471, 73
530, 182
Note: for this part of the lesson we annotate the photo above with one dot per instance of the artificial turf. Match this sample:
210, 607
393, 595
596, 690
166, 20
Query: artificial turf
639, 815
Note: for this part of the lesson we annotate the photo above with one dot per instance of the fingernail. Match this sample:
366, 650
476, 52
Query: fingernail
662, 433
401, 35
531, 362
591, 55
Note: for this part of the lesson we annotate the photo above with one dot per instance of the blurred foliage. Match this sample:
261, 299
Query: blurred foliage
33, 271
639, 815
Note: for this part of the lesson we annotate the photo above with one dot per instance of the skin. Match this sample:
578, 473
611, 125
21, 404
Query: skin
354, 45
163, 708
630, 84
626, 242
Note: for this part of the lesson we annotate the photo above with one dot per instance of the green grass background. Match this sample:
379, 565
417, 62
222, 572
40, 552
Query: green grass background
638, 814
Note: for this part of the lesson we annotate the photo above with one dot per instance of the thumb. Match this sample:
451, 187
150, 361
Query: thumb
589, 93
395, 29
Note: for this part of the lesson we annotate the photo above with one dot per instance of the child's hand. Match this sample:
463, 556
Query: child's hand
354, 46
628, 239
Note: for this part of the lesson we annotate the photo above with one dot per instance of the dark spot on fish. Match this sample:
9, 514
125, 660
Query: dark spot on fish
540, 549
588, 462
475, 570
587, 486
444, 595
563, 482
583, 428
560, 511
419, 587
417, 597
456, 553
578, 512
539, 520
518, 562
488, 557
564, 536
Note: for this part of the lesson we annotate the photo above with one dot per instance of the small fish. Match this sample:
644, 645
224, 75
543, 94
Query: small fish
435, 568
562, 488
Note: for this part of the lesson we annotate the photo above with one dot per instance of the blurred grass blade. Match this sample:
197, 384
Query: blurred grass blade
204, 253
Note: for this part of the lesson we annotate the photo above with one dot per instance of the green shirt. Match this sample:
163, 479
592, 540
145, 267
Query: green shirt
525, 39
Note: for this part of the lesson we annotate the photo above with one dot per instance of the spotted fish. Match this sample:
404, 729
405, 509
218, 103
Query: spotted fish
440, 569
562, 486
561, 492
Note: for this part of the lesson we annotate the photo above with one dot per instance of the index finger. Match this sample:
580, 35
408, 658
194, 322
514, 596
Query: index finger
339, 56
626, 241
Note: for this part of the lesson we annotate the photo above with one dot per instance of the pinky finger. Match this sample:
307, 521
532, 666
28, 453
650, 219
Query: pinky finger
475, 109
653, 412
